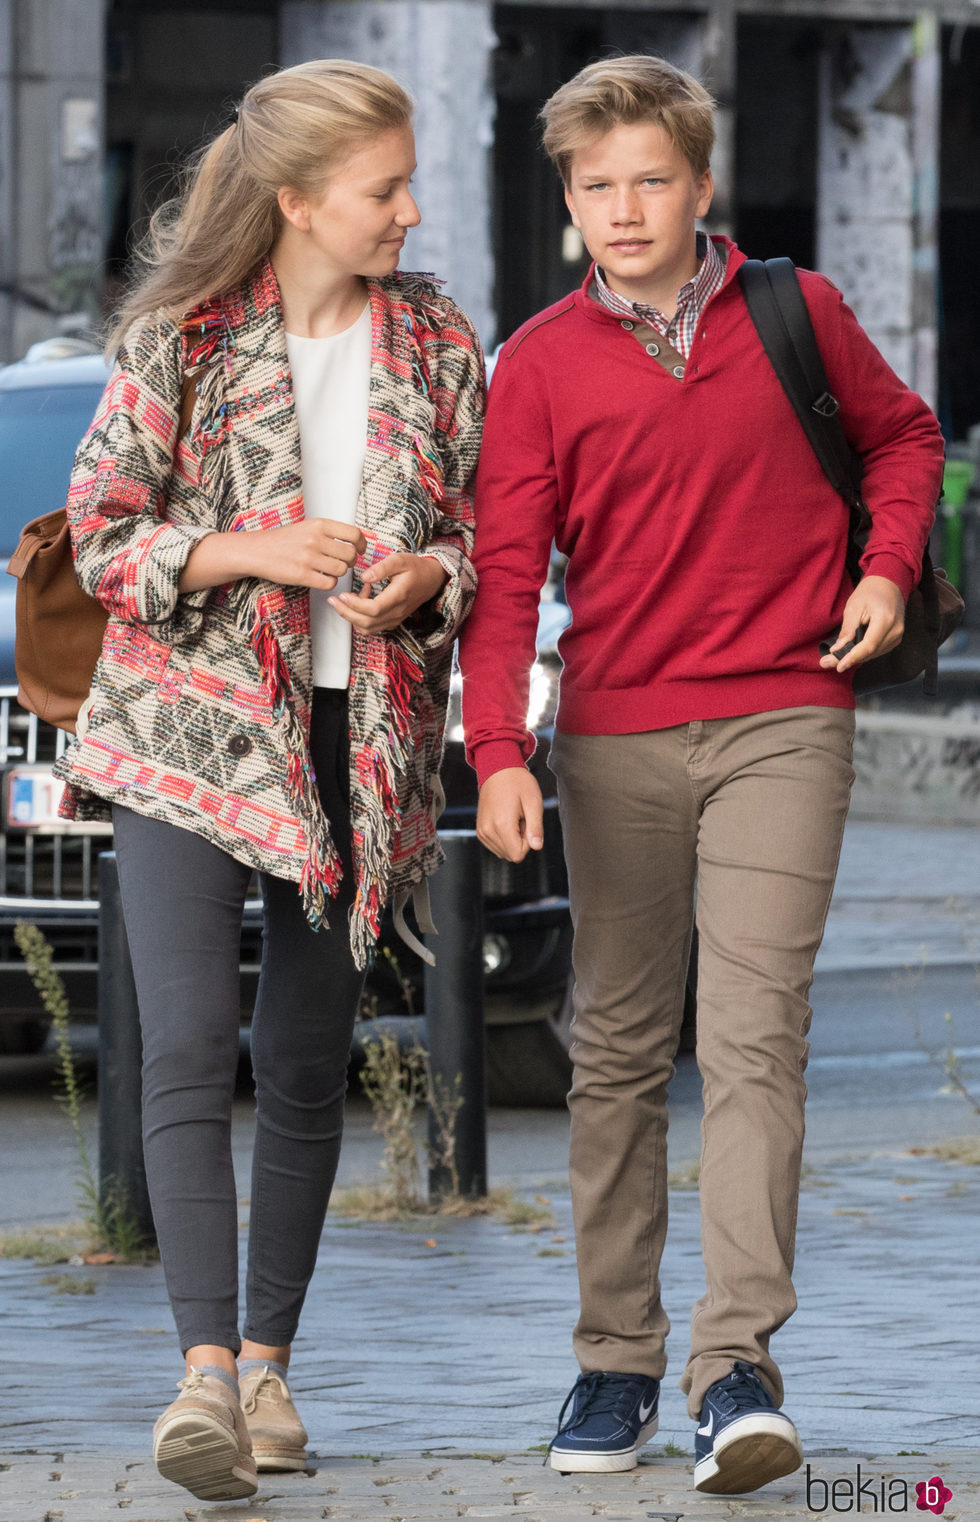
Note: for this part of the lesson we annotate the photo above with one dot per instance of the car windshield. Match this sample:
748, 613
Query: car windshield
40, 429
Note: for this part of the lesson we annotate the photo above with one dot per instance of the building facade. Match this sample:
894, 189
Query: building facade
849, 138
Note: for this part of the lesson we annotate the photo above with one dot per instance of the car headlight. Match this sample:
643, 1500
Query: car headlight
543, 696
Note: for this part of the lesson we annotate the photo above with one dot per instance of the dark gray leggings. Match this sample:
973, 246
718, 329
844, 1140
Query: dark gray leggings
183, 899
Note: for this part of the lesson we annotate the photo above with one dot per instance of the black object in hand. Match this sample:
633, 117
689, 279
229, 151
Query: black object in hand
826, 645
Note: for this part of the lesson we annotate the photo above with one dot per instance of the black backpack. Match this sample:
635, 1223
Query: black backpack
934, 608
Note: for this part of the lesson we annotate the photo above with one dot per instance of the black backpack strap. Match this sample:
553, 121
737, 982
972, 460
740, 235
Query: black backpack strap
782, 320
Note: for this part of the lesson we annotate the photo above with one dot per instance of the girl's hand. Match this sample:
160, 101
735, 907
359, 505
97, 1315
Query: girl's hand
314, 553
412, 581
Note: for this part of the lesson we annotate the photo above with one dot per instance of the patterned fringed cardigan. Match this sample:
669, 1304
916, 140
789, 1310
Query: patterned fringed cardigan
200, 706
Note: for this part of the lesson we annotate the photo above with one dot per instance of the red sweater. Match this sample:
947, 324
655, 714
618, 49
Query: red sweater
706, 548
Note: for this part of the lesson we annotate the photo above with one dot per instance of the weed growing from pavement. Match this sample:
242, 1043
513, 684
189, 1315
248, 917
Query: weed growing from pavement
445, 1102
47, 1245
107, 1215
960, 1149
946, 1059
396, 1083
69, 1284
685, 1178
949, 1062
373, 1203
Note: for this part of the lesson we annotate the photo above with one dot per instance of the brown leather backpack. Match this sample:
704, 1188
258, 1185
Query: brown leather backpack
59, 627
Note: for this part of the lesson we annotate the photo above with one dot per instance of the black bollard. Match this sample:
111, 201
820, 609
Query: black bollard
455, 1030
121, 1173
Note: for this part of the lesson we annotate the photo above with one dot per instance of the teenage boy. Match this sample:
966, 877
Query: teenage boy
701, 740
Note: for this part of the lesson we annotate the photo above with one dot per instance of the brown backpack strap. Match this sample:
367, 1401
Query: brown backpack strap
188, 396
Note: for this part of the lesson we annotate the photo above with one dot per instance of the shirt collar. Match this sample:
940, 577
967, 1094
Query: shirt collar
704, 284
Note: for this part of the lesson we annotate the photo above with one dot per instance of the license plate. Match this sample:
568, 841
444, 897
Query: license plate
33, 795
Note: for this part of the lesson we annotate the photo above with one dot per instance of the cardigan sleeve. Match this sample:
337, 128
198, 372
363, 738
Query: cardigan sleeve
129, 552
459, 393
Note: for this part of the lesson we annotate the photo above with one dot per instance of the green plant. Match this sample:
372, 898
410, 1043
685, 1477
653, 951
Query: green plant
688, 1177
69, 1284
950, 1065
404, 985
947, 1059
394, 1084
107, 1215
47, 1245
445, 1102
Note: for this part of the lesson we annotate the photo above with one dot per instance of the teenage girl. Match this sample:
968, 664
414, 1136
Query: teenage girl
273, 505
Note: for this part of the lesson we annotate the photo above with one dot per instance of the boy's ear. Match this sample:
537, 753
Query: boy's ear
706, 190
571, 209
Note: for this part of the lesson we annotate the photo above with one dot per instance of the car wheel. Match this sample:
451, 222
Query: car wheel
22, 1038
527, 1065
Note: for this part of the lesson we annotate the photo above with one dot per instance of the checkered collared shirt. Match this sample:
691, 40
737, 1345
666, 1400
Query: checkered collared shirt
692, 299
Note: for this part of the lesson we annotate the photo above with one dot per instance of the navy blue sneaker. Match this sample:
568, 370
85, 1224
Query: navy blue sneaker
612, 1416
743, 1440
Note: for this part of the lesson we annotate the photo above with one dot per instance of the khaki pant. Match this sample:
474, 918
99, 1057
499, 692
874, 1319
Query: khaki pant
751, 811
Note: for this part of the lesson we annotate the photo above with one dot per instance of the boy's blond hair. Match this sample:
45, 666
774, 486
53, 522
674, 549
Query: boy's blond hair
621, 91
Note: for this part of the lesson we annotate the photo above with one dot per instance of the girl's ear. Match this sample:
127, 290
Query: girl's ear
295, 208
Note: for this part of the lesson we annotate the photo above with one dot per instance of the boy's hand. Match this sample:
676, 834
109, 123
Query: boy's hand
510, 818
877, 605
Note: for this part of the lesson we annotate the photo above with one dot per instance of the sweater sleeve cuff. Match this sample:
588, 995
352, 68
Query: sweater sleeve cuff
891, 567
496, 756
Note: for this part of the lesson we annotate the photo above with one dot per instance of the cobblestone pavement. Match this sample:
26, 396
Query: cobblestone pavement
449, 1340
444, 1488
434, 1356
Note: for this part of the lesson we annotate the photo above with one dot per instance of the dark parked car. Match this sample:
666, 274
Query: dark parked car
48, 867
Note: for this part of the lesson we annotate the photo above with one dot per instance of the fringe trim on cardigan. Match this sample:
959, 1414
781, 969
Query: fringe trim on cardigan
322, 870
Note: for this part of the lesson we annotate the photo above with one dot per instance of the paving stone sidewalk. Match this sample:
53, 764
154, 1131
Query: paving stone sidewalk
433, 1359
434, 1356
444, 1488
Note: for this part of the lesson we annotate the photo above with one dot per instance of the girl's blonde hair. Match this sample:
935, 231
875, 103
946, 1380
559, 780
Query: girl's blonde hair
293, 128
621, 91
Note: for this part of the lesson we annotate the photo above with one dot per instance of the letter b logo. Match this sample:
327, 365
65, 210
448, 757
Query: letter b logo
813, 1488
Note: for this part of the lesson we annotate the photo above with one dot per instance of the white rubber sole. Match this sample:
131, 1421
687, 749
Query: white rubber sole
603, 1463
275, 1463
750, 1453
203, 1457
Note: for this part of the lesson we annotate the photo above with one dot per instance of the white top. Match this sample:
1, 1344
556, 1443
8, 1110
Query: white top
331, 379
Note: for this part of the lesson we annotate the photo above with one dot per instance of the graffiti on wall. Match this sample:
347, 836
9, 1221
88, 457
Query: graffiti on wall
917, 768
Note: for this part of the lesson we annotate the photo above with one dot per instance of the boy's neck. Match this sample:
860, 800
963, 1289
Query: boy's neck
662, 294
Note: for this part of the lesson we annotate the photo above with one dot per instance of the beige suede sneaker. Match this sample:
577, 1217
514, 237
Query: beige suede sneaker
201, 1441
278, 1436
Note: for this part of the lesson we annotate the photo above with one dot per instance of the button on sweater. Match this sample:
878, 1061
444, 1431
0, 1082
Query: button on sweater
706, 548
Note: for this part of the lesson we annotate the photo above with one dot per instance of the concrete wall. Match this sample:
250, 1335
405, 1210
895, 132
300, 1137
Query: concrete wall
912, 766
877, 207
51, 152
